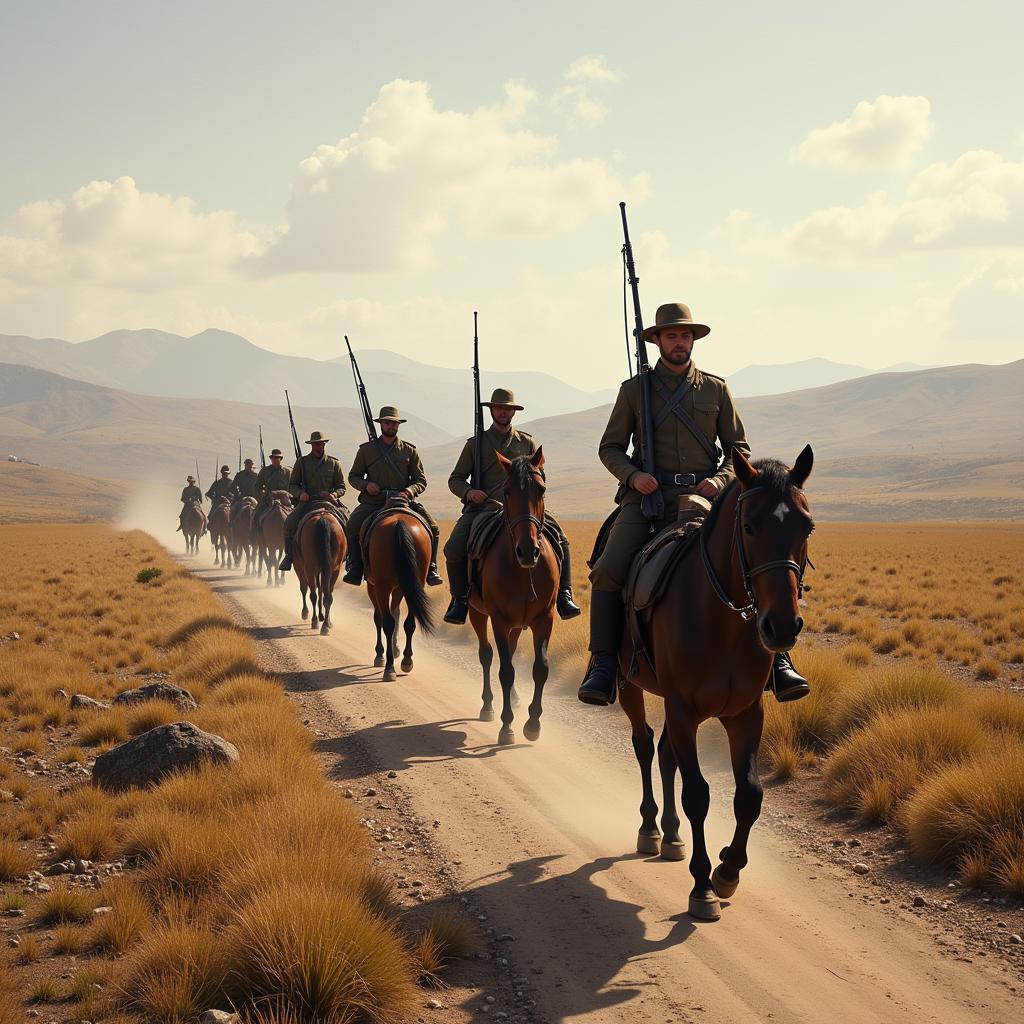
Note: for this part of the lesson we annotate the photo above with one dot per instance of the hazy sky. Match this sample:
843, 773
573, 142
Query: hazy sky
814, 179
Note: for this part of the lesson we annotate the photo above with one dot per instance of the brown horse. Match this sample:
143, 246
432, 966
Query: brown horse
319, 552
219, 525
518, 585
397, 563
193, 526
271, 535
243, 536
731, 602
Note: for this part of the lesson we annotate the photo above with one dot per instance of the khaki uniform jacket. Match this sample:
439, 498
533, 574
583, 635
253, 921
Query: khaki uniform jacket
314, 475
676, 450
513, 445
394, 467
191, 493
272, 478
220, 488
245, 483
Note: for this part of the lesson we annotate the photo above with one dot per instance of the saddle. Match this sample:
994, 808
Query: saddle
335, 507
389, 507
485, 529
652, 569
247, 503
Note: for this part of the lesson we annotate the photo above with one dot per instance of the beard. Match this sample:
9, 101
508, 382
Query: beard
389, 431
676, 356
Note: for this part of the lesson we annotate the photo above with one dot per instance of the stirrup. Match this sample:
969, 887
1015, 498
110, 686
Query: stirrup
457, 611
286, 563
433, 576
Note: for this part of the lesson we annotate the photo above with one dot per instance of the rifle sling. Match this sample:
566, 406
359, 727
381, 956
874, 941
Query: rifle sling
674, 406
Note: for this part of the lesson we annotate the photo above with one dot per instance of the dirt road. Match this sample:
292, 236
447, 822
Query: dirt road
543, 834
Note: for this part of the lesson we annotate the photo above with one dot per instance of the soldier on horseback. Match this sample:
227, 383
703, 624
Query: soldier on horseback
499, 437
388, 467
190, 495
691, 408
316, 478
220, 488
243, 486
269, 479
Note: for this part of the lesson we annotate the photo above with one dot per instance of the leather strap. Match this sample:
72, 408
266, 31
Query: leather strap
674, 405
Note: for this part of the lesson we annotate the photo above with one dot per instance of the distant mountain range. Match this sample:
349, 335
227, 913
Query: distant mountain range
781, 378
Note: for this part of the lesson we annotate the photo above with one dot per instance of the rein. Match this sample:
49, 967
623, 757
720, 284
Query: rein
511, 524
749, 610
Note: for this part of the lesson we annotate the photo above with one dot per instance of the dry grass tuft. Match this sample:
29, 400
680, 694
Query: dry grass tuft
68, 938
98, 727
63, 905
131, 915
449, 936
890, 689
29, 949
92, 836
15, 862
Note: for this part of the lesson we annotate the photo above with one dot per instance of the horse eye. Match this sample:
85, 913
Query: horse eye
748, 529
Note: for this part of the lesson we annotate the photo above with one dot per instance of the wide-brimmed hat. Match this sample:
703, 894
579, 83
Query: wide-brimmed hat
502, 396
675, 314
275, 451
190, 479
248, 462
225, 469
316, 436
389, 412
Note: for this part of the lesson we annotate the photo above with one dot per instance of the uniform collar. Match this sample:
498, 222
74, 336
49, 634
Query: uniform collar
674, 380
501, 440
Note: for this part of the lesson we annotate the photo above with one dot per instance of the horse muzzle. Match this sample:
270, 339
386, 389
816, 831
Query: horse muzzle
779, 632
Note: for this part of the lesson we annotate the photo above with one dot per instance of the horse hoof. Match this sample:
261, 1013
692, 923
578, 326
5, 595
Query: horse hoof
532, 729
407, 665
705, 908
305, 614
651, 845
673, 849
722, 886
486, 714
325, 629
506, 736
378, 662
390, 675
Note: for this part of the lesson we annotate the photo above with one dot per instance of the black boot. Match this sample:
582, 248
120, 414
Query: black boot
607, 619
286, 562
567, 608
354, 573
458, 581
433, 576
785, 682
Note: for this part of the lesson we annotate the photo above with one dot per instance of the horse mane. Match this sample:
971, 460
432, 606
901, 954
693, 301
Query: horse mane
771, 473
522, 471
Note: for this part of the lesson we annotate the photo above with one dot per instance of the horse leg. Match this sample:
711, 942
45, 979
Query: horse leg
396, 614
410, 628
326, 600
378, 661
541, 635
486, 655
507, 678
682, 731
672, 846
744, 739
390, 624
305, 608
513, 644
632, 700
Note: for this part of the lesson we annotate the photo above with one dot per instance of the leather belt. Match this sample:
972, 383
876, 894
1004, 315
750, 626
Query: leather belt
681, 479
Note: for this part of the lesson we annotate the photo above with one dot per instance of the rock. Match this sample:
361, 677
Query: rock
349, 794
219, 1017
433, 1004
82, 702
15, 912
14, 942
920, 901
860, 868
81, 866
101, 911
392, 775
161, 690
161, 751
371, 791
1016, 939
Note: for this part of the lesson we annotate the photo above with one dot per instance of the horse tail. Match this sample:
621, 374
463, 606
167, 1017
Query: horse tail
407, 571
326, 546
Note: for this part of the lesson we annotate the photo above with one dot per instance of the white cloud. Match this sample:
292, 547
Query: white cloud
378, 199
112, 235
975, 202
576, 97
885, 134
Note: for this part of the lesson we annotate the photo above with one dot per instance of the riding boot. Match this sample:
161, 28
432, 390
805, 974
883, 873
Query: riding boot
785, 682
566, 606
433, 576
354, 575
458, 581
286, 562
607, 620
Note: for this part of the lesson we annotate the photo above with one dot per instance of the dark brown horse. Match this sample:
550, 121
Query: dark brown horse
219, 526
243, 536
193, 526
518, 585
271, 535
730, 603
319, 552
397, 563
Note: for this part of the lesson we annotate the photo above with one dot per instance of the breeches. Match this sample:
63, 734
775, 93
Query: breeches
457, 547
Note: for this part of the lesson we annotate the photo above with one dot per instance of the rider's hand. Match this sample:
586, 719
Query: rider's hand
405, 494
644, 483
303, 496
707, 488
373, 489
477, 497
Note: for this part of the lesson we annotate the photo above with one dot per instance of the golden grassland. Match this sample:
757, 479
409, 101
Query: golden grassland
30, 494
247, 886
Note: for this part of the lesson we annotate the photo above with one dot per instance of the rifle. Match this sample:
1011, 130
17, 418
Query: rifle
364, 402
263, 458
652, 505
291, 420
476, 481
199, 482
239, 455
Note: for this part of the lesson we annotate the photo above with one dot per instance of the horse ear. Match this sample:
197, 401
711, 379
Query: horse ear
537, 459
745, 472
802, 467
505, 464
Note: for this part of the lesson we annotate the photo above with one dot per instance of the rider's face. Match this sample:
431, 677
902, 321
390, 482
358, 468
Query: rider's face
389, 428
502, 415
675, 345
318, 449
275, 460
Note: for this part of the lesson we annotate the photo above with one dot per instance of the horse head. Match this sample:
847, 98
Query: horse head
282, 499
773, 523
524, 504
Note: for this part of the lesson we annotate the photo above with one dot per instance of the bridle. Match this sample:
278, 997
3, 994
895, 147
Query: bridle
526, 517
749, 610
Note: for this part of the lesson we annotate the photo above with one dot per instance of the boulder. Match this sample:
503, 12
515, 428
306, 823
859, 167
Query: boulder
161, 751
219, 1017
80, 701
160, 690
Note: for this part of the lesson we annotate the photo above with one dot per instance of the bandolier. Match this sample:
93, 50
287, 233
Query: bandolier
512, 444
393, 468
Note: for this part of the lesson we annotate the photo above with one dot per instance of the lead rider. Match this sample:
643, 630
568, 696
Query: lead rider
691, 409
